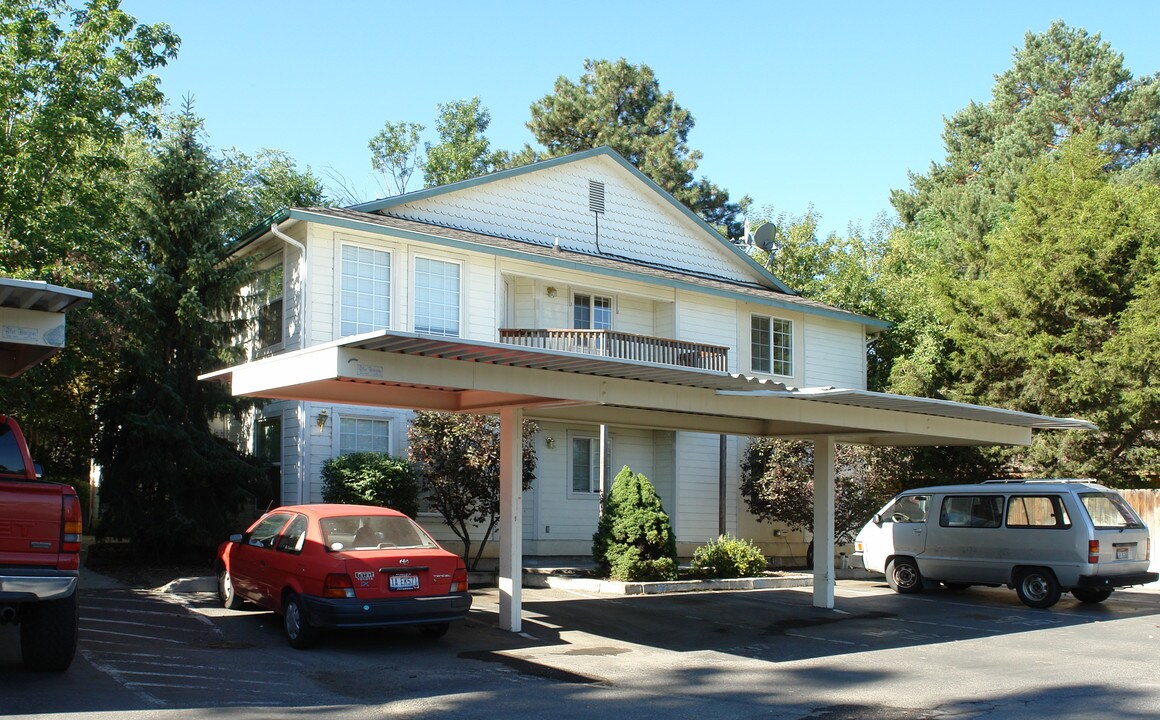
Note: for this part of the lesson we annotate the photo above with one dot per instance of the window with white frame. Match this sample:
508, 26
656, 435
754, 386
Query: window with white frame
771, 342
268, 287
437, 297
591, 312
366, 290
584, 464
356, 434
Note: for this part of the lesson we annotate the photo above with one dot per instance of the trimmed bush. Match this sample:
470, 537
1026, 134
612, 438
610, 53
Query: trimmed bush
634, 540
370, 478
728, 557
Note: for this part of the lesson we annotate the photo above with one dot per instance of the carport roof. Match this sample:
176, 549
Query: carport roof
398, 369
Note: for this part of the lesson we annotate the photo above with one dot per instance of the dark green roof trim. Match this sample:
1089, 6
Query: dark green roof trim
394, 201
569, 264
258, 230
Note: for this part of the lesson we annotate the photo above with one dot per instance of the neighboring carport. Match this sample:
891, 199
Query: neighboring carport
32, 322
419, 372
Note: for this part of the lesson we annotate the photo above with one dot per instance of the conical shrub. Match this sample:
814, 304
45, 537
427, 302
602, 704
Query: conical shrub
634, 539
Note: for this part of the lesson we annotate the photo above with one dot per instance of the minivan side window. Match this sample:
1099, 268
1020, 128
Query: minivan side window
1037, 511
974, 511
909, 508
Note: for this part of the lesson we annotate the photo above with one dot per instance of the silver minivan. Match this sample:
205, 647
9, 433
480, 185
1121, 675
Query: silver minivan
1040, 537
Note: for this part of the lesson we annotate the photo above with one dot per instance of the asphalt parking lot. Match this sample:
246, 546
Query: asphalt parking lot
762, 653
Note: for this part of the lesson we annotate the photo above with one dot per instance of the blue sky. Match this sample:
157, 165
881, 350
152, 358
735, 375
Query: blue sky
796, 104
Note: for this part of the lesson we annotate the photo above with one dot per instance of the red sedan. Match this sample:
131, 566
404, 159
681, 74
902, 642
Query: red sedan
343, 566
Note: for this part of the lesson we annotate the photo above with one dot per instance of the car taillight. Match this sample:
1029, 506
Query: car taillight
1093, 551
459, 580
70, 534
337, 585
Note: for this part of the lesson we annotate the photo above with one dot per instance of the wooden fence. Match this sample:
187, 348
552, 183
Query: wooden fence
1147, 505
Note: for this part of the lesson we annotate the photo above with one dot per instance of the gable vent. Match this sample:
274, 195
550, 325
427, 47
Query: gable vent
595, 196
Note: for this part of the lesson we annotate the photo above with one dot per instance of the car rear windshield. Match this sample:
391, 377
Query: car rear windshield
1109, 511
371, 532
11, 460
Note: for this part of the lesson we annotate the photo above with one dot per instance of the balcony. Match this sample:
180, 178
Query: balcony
623, 346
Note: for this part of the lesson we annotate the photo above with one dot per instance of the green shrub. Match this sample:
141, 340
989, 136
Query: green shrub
369, 478
728, 557
634, 540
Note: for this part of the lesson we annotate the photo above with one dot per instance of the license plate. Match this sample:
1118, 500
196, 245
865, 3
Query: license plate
1121, 553
404, 581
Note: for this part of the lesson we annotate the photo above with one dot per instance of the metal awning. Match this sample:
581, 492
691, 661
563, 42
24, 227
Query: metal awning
32, 322
423, 372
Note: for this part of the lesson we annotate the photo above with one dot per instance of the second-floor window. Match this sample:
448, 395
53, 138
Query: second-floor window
591, 312
269, 289
771, 342
436, 297
366, 290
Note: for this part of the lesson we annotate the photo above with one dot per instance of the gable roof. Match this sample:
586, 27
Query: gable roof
387, 205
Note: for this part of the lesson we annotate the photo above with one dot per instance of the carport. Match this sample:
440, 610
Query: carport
420, 372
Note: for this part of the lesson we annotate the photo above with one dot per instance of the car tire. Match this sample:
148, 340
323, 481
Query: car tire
903, 576
1091, 595
48, 634
1037, 588
226, 592
434, 632
299, 632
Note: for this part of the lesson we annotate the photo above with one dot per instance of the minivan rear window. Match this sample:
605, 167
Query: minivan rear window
1109, 511
1037, 511
976, 511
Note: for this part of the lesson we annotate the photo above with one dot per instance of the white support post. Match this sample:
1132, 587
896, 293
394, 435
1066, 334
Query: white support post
511, 524
824, 521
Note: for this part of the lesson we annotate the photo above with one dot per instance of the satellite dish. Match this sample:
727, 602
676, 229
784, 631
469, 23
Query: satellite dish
763, 236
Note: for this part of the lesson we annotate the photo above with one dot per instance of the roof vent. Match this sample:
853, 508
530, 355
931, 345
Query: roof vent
595, 196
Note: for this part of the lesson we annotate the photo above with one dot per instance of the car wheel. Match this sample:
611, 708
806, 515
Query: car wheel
903, 576
48, 634
1037, 588
434, 632
1091, 595
299, 632
229, 598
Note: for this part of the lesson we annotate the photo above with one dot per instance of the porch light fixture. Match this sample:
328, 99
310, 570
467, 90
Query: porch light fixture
321, 420
550, 442
551, 291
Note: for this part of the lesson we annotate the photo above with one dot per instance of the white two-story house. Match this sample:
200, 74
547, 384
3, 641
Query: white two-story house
581, 254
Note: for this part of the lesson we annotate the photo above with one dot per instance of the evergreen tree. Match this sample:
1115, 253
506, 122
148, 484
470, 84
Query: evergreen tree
169, 483
622, 106
1062, 82
634, 539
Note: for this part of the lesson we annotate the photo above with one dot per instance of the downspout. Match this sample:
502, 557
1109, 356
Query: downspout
304, 422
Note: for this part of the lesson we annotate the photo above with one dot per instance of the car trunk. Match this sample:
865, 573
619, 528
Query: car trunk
409, 573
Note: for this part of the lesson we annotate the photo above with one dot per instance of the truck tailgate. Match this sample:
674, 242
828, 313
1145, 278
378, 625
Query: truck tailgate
31, 537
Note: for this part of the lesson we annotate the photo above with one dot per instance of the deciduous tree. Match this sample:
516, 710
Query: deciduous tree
458, 459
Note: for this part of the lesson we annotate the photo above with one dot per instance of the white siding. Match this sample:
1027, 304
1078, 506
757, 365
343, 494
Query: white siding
552, 204
696, 519
708, 319
835, 354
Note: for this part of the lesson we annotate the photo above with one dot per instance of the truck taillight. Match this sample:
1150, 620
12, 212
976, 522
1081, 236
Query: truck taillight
70, 534
1093, 551
337, 585
459, 579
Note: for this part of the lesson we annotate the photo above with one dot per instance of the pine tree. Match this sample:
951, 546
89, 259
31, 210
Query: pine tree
169, 483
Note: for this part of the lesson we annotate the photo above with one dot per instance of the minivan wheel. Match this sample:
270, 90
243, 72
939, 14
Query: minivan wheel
902, 576
1037, 588
1091, 595
299, 632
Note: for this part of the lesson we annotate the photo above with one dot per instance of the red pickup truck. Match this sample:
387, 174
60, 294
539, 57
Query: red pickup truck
39, 556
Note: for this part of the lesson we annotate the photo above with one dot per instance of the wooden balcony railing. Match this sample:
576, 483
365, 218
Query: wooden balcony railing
622, 345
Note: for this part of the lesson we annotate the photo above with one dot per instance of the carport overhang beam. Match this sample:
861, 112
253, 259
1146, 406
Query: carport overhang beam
390, 369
